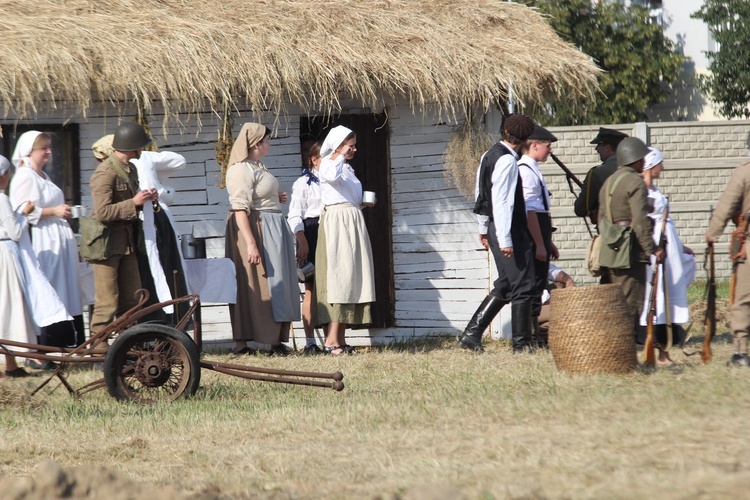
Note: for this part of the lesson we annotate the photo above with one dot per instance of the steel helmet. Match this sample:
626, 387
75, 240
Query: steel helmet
630, 150
130, 137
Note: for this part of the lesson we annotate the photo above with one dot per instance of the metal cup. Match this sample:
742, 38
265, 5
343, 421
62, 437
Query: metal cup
75, 211
305, 272
368, 197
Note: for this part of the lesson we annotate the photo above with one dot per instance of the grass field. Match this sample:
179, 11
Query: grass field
415, 421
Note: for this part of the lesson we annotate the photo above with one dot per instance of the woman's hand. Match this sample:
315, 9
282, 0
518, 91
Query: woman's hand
303, 250
283, 197
253, 254
62, 211
28, 208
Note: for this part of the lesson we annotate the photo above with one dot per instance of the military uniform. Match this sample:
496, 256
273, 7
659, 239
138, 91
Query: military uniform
587, 203
629, 207
736, 198
116, 278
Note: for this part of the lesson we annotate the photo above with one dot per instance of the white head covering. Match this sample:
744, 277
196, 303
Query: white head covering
333, 140
652, 159
103, 147
4, 165
23, 148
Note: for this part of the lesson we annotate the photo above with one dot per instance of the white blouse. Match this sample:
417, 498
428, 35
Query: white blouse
12, 223
338, 184
306, 202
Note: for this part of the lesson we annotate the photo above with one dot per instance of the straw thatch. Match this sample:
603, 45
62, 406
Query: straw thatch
185, 54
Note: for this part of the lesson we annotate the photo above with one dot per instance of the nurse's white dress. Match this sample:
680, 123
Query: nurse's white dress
52, 238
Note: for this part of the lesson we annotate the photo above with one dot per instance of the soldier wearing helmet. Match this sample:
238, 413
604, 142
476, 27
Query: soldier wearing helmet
117, 202
623, 201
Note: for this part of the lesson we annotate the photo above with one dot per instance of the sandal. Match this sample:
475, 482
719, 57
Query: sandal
349, 349
331, 349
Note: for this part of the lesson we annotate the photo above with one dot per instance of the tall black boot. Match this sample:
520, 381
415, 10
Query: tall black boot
472, 337
521, 326
536, 334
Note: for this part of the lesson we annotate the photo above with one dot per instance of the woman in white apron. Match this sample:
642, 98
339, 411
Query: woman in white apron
52, 238
679, 265
344, 274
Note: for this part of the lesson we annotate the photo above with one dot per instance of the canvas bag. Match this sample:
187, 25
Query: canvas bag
616, 240
592, 256
95, 234
94, 239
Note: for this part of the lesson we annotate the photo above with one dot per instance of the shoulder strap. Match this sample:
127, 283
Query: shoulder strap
124, 176
609, 196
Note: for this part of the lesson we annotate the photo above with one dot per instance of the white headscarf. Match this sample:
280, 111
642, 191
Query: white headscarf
333, 140
23, 148
652, 159
4, 165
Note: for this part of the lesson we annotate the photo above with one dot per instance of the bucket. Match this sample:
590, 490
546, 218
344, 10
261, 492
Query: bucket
591, 330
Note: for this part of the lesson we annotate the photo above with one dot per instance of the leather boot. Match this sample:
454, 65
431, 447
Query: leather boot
521, 326
472, 337
536, 335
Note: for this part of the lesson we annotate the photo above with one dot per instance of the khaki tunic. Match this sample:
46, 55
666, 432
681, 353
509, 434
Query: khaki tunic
736, 198
116, 279
629, 202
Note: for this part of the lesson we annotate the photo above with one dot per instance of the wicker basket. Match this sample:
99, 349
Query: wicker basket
591, 330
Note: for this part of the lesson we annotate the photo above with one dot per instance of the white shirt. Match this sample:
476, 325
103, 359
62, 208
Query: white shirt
553, 272
338, 184
535, 192
504, 180
306, 202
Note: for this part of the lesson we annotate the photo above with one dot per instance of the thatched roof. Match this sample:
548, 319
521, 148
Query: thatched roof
185, 53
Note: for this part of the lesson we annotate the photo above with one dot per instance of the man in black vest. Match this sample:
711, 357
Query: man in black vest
501, 215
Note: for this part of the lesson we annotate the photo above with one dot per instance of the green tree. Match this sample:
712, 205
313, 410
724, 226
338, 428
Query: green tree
638, 60
729, 81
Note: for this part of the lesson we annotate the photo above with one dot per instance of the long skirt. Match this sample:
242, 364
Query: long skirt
344, 270
15, 320
268, 293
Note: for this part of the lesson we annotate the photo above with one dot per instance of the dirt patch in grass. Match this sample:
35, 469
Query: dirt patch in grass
50, 480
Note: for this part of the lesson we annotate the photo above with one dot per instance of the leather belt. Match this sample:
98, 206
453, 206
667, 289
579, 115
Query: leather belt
623, 222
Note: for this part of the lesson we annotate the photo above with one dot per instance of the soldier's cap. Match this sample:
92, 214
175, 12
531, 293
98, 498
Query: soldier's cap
608, 136
541, 134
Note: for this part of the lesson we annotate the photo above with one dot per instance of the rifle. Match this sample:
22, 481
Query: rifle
648, 346
737, 249
709, 320
571, 177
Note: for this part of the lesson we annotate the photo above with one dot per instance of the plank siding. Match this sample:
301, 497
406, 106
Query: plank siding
440, 271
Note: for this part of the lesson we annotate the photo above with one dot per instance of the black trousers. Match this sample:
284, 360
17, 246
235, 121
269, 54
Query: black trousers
516, 275
541, 268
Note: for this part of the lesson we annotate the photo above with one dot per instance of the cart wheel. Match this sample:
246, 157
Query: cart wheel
150, 363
